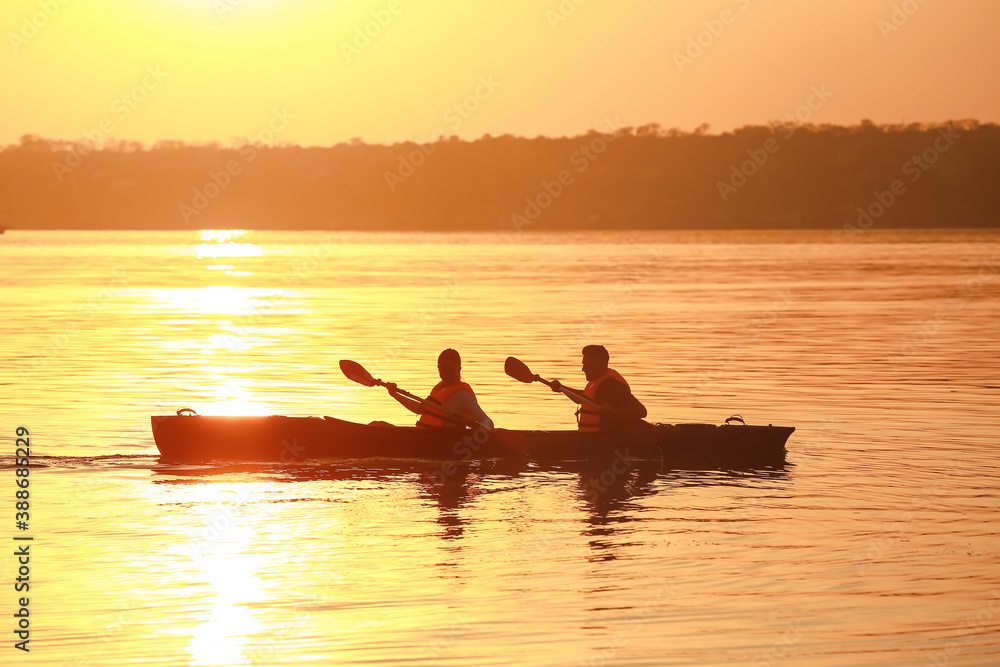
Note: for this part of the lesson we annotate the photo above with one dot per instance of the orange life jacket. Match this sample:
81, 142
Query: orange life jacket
588, 417
433, 415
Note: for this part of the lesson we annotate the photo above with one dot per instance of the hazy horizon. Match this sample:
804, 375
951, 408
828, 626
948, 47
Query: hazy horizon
704, 130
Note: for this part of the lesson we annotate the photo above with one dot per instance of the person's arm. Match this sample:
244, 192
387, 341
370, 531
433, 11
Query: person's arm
463, 404
615, 399
407, 402
558, 386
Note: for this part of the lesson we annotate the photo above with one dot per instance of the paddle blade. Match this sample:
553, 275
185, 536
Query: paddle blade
518, 370
356, 372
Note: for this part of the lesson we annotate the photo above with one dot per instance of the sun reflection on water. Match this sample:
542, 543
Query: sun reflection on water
230, 566
234, 398
220, 299
220, 243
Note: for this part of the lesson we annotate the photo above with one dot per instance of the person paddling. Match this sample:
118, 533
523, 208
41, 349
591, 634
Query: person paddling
608, 389
452, 403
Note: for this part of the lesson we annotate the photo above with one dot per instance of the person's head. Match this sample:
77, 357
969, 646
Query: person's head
595, 361
450, 366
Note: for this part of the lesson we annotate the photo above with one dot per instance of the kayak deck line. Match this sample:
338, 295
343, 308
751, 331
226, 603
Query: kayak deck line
188, 436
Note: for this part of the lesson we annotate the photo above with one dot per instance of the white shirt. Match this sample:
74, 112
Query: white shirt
464, 404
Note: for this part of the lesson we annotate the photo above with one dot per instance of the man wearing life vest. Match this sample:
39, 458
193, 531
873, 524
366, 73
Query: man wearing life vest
452, 403
608, 389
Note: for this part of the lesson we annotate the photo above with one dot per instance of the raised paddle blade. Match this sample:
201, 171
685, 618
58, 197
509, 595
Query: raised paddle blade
518, 370
356, 372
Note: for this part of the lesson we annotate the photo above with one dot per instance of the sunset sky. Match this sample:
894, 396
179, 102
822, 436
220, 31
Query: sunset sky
223, 70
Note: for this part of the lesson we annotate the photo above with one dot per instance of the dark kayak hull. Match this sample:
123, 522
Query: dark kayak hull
194, 438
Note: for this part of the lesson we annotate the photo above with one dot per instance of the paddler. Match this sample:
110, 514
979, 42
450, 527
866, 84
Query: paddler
608, 389
452, 403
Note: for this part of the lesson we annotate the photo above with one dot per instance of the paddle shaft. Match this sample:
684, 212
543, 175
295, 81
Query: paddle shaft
356, 372
569, 392
403, 392
423, 401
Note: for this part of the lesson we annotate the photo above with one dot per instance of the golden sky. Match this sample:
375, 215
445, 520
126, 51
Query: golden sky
304, 71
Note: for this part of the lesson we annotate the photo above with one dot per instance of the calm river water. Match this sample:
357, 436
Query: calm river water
876, 544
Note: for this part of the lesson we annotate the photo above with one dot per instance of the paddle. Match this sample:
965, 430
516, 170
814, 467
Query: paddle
356, 372
518, 370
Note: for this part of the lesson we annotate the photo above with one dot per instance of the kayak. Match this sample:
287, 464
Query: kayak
190, 437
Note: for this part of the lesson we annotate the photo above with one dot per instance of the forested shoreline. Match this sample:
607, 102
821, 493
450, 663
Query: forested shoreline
756, 177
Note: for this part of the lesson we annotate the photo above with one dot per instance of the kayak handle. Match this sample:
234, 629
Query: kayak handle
736, 418
186, 411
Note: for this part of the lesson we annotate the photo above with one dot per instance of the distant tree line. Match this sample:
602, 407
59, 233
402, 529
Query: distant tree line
756, 177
